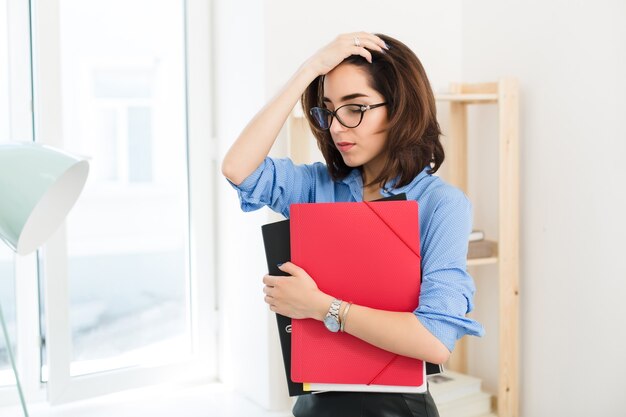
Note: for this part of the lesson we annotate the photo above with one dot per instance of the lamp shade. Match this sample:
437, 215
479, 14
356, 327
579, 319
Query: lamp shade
38, 187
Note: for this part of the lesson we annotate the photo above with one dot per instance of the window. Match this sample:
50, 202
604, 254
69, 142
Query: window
4, 73
123, 92
7, 269
119, 296
17, 273
7, 303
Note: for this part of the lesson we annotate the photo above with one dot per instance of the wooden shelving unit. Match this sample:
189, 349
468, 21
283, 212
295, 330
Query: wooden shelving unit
503, 94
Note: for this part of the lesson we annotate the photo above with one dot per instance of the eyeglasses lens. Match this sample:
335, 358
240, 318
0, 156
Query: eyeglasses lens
322, 117
350, 115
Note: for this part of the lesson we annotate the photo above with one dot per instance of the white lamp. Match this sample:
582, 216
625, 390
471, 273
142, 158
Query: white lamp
38, 187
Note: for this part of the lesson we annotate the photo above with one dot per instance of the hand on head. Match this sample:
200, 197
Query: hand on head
358, 43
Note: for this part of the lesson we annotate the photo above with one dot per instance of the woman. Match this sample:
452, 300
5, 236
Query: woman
372, 111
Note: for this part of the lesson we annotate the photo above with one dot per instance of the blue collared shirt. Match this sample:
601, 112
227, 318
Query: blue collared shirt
445, 222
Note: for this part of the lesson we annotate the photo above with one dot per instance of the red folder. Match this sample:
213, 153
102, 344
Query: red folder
367, 253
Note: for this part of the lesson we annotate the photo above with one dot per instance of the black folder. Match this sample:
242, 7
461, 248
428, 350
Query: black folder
276, 240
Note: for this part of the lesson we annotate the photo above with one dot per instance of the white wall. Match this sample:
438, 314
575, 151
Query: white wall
297, 29
570, 58
240, 91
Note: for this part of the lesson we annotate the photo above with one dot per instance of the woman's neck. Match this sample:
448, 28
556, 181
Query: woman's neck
368, 174
371, 193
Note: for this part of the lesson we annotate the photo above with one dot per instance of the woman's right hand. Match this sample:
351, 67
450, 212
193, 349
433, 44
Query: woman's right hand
327, 58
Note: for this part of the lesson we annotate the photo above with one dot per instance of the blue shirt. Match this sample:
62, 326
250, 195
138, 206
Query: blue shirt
445, 222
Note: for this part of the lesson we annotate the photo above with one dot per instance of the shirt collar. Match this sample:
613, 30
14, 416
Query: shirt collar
355, 182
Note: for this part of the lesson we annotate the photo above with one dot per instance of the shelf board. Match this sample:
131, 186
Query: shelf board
468, 98
482, 261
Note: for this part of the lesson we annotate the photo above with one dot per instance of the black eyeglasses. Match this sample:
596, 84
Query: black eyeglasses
349, 115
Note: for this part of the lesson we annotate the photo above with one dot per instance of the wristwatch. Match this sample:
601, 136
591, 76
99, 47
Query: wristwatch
331, 321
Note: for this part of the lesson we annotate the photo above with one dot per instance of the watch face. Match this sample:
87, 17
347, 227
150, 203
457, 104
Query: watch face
331, 324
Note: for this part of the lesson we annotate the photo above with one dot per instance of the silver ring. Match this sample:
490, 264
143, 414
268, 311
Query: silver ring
357, 41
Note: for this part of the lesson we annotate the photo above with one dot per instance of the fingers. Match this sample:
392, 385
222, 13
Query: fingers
270, 280
363, 52
367, 41
268, 289
290, 268
270, 284
344, 45
277, 289
269, 299
362, 43
271, 304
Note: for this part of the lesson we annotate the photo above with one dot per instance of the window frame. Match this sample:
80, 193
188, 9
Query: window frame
25, 267
40, 20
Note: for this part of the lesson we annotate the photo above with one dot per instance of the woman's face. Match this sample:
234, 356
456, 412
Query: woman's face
364, 144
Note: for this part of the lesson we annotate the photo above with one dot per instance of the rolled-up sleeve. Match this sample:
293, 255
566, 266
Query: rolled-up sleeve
447, 290
277, 183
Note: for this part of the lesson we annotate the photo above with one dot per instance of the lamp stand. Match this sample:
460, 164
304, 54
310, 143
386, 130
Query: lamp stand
17, 378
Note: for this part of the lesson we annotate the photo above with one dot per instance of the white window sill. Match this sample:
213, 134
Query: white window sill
198, 400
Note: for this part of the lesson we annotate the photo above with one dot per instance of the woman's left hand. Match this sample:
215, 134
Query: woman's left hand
295, 296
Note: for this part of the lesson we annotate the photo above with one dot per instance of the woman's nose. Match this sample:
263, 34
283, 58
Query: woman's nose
336, 127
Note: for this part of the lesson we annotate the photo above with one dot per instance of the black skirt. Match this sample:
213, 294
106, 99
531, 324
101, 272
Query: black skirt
365, 404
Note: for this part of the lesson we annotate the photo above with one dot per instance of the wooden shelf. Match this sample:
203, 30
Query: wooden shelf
468, 98
482, 249
505, 251
482, 261
482, 252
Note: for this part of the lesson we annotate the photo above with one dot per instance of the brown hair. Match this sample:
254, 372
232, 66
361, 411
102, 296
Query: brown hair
413, 131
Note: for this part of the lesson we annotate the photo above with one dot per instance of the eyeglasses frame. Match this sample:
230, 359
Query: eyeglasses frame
363, 108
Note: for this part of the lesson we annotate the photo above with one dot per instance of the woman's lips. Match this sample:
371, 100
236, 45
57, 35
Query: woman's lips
344, 146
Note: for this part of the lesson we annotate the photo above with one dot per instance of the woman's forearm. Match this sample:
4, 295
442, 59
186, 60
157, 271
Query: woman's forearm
257, 138
297, 296
396, 332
